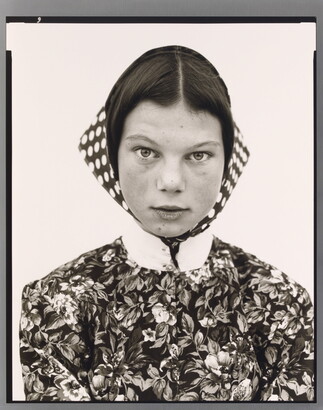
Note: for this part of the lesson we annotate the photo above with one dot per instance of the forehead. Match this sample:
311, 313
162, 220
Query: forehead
163, 123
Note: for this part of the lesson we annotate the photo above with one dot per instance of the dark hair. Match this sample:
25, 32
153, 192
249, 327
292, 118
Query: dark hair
166, 75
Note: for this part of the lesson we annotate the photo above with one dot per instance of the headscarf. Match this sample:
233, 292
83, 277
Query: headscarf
94, 148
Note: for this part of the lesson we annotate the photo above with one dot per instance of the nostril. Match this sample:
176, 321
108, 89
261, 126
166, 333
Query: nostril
170, 179
170, 185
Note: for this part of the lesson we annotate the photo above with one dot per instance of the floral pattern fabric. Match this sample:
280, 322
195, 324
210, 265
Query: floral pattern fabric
102, 328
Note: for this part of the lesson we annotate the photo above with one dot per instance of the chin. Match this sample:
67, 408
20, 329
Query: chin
169, 232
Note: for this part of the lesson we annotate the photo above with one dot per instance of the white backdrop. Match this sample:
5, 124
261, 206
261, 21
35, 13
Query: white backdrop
62, 74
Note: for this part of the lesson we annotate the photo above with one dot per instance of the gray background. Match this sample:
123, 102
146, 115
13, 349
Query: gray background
154, 8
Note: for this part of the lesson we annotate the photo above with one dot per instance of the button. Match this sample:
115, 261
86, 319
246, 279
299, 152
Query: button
170, 268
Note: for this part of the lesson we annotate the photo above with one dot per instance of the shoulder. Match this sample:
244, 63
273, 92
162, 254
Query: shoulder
275, 305
259, 278
71, 293
78, 275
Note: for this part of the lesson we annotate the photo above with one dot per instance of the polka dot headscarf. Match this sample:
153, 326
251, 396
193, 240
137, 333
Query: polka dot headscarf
94, 148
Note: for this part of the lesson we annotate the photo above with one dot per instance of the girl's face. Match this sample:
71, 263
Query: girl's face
171, 162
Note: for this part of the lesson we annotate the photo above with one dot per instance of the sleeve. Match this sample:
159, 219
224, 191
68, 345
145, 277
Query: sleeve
287, 359
53, 348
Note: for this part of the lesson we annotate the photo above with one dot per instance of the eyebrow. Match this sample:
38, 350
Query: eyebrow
147, 139
139, 137
211, 142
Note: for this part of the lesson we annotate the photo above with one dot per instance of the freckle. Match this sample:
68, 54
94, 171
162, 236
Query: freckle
182, 126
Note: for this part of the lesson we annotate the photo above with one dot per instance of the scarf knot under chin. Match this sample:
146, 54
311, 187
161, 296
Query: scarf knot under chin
173, 244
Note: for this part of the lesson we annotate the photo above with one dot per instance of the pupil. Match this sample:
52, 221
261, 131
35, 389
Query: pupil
145, 152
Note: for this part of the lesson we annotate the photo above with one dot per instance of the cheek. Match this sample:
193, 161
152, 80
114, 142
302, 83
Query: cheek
207, 185
207, 179
206, 196
134, 186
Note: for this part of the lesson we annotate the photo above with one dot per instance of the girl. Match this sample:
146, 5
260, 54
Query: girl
169, 312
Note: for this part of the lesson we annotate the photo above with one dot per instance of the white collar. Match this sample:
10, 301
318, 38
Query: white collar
150, 252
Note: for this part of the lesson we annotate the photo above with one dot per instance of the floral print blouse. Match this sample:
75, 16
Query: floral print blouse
102, 328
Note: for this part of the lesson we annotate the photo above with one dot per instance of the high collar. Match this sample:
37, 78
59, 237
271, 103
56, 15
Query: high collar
150, 252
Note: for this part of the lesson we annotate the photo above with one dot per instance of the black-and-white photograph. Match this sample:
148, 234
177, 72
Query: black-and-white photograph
162, 211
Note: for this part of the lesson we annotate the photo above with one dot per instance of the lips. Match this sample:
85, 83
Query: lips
169, 212
170, 208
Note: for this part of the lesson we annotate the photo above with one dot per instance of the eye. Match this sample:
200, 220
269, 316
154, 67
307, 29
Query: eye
145, 153
199, 156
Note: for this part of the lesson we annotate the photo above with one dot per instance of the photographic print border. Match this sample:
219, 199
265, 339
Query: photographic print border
156, 10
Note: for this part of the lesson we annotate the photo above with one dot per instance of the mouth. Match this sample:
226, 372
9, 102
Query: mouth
169, 213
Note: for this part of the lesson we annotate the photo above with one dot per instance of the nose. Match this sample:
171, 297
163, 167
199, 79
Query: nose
171, 177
